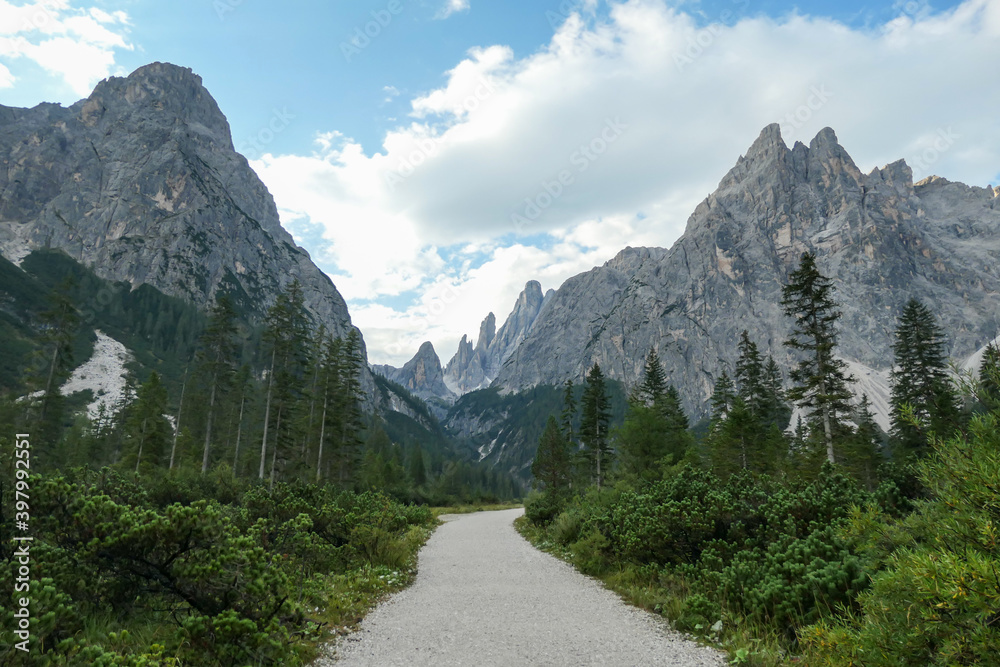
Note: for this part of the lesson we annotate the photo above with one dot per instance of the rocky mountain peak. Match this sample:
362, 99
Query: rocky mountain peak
879, 237
487, 332
158, 93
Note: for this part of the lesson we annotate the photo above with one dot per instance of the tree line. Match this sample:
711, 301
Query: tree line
748, 427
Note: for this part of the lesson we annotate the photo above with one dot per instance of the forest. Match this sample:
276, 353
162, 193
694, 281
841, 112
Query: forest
240, 503
829, 543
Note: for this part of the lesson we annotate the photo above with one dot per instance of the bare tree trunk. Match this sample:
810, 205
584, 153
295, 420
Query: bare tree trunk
267, 416
208, 428
142, 441
177, 426
274, 452
239, 432
322, 436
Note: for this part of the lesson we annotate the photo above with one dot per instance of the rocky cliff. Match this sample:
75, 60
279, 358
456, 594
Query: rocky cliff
476, 367
880, 237
422, 376
141, 183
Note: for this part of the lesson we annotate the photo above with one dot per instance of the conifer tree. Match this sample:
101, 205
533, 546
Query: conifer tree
148, 429
217, 357
776, 411
923, 399
655, 425
61, 323
723, 397
820, 378
989, 378
568, 415
418, 468
552, 466
750, 375
595, 416
349, 398
653, 387
864, 445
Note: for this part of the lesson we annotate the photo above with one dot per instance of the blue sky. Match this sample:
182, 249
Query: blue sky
421, 166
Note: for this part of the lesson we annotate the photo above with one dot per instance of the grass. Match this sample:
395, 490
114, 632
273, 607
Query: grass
340, 602
475, 507
746, 641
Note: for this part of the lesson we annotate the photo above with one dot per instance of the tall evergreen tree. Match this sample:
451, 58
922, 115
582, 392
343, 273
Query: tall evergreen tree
148, 429
653, 387
723, 397
595, 417
552, 466
61, 322
348, 406
864, 445
568, 415
750, 375
776, 411
217, 356
820, 378
923, 399
989, 378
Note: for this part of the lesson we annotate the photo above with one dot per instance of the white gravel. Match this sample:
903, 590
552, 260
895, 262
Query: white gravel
483, 596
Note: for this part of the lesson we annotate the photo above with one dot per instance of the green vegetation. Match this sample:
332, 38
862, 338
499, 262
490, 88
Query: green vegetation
237, 505
821, 546
186, 569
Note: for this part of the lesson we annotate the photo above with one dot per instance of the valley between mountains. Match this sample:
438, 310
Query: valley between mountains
779, 435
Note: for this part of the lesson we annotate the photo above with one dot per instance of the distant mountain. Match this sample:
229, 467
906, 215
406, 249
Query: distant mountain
422, 377
881, 238
476, 367
141, 183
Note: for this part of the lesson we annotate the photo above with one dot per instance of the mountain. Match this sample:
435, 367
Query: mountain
140, 181
476, 367
421, 376
881, 238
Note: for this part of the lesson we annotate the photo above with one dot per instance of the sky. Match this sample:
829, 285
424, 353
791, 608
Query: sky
435, 155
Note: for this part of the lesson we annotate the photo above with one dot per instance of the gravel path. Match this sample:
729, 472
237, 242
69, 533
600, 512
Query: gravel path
484, 596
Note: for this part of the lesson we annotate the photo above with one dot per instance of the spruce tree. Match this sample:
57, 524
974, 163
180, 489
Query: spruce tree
864, 445
820, 378
923, 399
750, 375
148, 429
568, 415
595, 417
653, 387
552, 466
989, 378
61, 322
217, 356
723, 397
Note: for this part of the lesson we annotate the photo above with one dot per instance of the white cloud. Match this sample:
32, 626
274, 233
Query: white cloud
641, 112
452, 7
6, 78
75, 44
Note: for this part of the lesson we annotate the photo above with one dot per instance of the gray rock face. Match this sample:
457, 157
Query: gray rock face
880, 237
422, 376
140, 182
476, 367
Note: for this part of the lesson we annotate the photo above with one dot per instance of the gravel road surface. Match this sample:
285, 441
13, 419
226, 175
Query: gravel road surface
484, 596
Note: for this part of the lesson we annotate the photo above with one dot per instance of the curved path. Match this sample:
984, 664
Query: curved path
484, 596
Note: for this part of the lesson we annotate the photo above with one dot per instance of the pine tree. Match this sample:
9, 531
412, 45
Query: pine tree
653, 387
864, 445
820, 379
723, 397
750, 375
348, 406
989, 378
568, 415
217, 358
418, 468
923, 399
595, 416
552, 466
147, 428
776, 411
655, 429
61, 323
